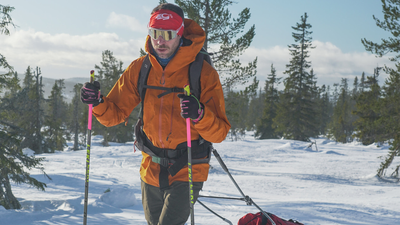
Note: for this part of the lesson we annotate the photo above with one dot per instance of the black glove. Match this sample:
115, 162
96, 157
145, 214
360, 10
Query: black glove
90, 93
191, 107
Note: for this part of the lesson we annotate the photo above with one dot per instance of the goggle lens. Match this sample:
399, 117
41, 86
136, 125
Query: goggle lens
165, 34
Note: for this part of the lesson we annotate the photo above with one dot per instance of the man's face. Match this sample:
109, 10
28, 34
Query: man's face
163, 48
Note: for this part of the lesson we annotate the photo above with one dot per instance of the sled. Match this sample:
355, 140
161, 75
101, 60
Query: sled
269, 219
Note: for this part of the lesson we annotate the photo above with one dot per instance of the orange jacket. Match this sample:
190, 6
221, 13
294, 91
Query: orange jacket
163, 123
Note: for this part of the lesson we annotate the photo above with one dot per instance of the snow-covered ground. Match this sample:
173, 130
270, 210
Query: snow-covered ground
334, 185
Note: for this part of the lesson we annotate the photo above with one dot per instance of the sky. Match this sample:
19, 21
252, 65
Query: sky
66, 38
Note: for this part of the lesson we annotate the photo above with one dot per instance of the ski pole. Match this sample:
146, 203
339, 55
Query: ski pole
89, 138
224, 219
186, 89
247, 199
229, 198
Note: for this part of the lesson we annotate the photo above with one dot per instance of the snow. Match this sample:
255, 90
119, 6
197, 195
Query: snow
28, 152
334, 185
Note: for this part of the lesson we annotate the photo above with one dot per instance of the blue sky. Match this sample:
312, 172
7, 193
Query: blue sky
66, 38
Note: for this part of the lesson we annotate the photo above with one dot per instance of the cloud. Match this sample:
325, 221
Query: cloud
65, 56
64, 51
124, 21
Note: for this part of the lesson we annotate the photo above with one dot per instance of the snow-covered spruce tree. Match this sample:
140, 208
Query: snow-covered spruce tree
13, 162
390, 116
297, 111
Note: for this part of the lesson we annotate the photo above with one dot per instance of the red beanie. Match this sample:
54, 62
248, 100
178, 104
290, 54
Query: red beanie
166, 20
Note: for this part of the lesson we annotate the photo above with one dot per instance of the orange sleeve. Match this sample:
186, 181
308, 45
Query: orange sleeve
214, 126
122, 99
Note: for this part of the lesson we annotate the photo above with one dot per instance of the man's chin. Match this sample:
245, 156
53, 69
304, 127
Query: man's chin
162, 54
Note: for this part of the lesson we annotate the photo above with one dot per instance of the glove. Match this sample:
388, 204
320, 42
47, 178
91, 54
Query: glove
90, 93
191, 107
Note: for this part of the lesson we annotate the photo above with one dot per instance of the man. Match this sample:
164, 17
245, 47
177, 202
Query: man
172, 44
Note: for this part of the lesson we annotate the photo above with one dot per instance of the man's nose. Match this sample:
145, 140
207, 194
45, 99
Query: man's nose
160, 40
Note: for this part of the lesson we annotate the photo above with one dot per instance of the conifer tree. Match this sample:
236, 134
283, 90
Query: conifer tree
78, 118
142, 52
109, 71
355, 87
296, 115
23, 106
389, 121
13, 85
325, 109
236, 110
368, 111
362, 82
341, 126
255, 106
5, 22
38, 112
391, 24
14, 164
26, 113
30, 106
55, 126
265, 128
222, 40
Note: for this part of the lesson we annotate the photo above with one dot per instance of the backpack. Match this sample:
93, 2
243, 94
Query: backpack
142, 143
194, 78
261, 219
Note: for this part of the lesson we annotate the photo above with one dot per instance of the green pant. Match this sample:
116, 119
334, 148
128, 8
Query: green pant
169, 207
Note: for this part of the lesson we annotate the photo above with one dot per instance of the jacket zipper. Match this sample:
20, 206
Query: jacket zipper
162, 81
171, 119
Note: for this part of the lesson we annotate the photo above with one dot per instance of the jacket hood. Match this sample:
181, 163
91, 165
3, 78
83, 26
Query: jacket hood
186, 53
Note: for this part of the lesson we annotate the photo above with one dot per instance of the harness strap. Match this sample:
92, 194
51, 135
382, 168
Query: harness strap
183, 161
171, 161
163, 178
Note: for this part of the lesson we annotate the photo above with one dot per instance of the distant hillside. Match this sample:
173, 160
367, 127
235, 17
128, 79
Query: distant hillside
48, 84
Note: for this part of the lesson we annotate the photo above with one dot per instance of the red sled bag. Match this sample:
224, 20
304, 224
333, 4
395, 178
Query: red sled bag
261, 219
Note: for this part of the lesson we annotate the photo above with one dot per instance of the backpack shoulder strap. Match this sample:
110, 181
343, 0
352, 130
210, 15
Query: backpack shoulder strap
195, 72
142, 80
143, 74
207, 56
194, 77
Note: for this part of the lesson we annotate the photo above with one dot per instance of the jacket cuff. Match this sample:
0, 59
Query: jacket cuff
101, 108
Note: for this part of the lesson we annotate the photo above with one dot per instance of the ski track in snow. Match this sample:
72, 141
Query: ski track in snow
334, 185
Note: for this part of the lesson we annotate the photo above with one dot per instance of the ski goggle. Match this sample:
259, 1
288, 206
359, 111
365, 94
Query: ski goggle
165, 34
